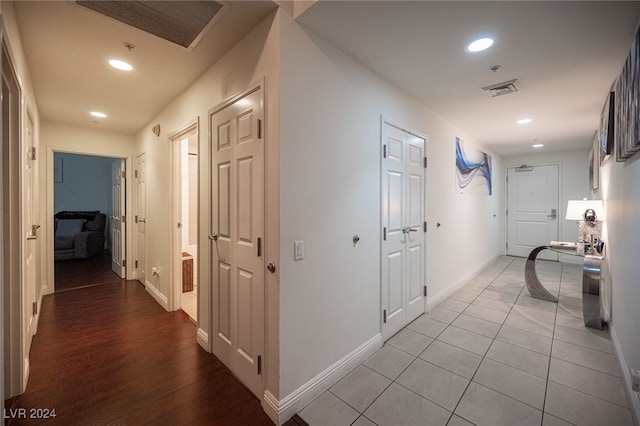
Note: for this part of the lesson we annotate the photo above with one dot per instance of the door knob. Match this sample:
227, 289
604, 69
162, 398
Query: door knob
214, 236
553, 215
271, 267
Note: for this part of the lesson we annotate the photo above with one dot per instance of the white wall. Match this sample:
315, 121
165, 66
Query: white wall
620, 190
574, 185
331, 109
254, 57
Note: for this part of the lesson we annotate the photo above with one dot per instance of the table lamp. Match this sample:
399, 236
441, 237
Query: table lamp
589, 214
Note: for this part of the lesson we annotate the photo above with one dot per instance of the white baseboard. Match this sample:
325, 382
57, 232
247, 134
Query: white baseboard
159, 297
283, 410
632, 397
434, 301
203, 339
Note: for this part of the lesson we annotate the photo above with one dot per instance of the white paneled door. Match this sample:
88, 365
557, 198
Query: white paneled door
236, 234
532, 209
403, 228
118, 245
140, 264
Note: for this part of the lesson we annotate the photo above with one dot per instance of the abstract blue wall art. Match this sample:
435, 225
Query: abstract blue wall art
473, 170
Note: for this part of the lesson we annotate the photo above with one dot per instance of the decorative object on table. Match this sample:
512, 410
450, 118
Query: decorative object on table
473, 170
627, 134
589, 213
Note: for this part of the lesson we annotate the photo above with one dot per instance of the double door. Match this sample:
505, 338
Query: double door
403, 228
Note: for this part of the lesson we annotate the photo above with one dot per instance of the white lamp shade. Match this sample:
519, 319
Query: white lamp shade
576, 209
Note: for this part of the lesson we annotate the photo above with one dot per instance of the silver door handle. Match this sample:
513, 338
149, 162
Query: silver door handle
214, 236
408, 229
553, 215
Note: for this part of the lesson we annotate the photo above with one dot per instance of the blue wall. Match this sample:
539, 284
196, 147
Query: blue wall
86, 184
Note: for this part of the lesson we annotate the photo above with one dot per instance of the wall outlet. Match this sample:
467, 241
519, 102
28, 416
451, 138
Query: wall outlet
635, 380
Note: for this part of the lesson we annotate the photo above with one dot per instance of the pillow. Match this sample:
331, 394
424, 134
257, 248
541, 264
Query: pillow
69, 227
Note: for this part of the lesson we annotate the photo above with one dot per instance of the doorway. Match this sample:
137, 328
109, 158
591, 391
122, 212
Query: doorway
185, 213
532, 209
403, 248
91, 190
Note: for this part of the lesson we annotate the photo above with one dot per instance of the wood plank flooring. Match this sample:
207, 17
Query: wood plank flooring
75, 273
110, 355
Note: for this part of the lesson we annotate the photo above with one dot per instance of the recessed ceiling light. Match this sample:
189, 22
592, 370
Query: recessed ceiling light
479, 45
538, 145
98, 114
120, 65
524, 121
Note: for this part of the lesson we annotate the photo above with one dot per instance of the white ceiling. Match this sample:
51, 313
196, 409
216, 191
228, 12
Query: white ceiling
565, 54
68, 46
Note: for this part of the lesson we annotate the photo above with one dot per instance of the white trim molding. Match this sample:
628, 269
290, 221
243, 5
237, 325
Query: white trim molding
283, 410
632, 397
203, 339
157, 295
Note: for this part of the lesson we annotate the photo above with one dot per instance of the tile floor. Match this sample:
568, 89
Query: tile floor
488, 355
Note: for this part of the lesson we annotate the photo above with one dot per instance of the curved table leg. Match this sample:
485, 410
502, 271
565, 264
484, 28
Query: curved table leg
531, 278
591, 310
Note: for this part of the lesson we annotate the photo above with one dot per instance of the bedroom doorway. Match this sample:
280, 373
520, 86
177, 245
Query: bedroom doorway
89, 220
184, 178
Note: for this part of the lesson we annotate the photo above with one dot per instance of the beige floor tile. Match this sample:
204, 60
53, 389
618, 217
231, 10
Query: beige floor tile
452, 358
510, 381
465, 340
477, 325
360, 387
434, 383
590, 358
523, 359
328, 410
398, 406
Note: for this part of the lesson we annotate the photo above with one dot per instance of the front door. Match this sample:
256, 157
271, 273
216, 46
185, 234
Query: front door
236, 233
118, 223
532, 209
403, 228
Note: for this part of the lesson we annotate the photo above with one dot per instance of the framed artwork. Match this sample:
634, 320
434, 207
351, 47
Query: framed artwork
57, 169
473, 170
627, 134
607, 128
594, 163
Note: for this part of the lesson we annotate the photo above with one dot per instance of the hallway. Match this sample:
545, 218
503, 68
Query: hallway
109, 354
488, 355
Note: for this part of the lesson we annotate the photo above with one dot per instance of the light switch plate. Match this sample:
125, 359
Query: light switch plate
298, 250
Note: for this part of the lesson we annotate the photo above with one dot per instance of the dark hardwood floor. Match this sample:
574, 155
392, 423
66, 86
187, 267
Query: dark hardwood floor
75, 273
108, 354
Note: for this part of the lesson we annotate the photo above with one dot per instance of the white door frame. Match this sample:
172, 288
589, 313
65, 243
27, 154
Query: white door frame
384, 120
12, 278
175, 200
48, 223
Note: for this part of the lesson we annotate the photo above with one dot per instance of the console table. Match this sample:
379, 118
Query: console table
591, 277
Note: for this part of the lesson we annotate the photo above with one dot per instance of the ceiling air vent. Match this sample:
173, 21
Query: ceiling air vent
180, 22
503, 88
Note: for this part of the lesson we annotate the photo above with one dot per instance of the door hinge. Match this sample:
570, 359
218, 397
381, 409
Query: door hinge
259, 364
506, 212
507, 179
135, 264
124, 262
425, 291
425, 162
135, 218
384, 316
35, 308
135, 173
259, 247
124, 218
32, 153
507, 245
384, 151
259, 129
424, 224
123, 174
384, 233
